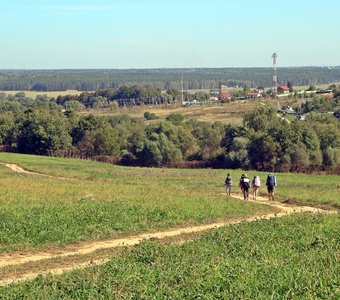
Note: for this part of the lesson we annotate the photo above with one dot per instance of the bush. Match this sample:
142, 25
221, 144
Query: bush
150, 116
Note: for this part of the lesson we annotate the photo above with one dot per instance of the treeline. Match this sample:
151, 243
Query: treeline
107, 98
264, 142
134, 95
322, 104
164, 79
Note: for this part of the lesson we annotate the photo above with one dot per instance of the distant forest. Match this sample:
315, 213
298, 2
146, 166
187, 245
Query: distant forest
200, 78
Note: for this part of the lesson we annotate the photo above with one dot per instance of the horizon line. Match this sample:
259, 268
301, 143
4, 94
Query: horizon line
165, 68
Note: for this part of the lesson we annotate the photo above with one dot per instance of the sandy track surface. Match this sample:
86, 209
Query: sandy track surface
16, 259
19, 169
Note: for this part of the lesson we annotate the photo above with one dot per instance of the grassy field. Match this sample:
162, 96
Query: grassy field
293, 257
102, 201
318, 86
33, 94
223, 112
300, 188
290, 118
226, 113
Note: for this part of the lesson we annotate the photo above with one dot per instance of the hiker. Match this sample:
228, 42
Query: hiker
244, 185
255, 184
228, 183
271, 183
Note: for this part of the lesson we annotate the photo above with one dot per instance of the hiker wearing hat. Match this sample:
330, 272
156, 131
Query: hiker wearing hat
271, 183
244, 185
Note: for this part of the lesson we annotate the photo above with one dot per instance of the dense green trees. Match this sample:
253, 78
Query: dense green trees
164, 79
273, 143
264, 141
6, 130
42, 133
321, 104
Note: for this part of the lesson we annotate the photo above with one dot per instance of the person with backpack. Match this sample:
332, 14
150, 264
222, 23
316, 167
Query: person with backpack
228, 183
255, 184
244, 185
271, 183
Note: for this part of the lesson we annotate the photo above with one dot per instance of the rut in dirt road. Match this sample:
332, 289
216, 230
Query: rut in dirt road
19, 259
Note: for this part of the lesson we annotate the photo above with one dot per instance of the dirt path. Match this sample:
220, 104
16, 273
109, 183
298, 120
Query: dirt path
83, 249
19, 169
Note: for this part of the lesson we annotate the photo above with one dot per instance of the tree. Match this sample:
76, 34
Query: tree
150, 116
312, 88
72, 105
43, 133
87, 123
263, 150
290, 86
103, 141
261, 118
237, 156
175, 118
6, 130
299, 155
331, 157
158, 150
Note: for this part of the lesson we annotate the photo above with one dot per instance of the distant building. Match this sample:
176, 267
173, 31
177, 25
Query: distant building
254, 95
289, 110
283, 89
190, 103
224, 96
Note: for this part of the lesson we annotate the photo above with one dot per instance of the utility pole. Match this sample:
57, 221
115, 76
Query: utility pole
182, 89
274, 86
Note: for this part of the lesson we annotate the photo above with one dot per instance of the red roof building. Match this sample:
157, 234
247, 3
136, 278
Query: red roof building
254, 95
283, 89
224, 96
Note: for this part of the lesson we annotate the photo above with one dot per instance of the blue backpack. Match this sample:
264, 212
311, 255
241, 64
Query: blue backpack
271, 180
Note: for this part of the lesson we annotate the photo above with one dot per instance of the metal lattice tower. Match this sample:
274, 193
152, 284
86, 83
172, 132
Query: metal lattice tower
274, 87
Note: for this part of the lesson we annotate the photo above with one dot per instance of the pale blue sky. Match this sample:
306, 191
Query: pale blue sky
170, 34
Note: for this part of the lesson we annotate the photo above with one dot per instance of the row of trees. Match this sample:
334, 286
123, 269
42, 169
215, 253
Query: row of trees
263, 142
198, 78
109, 98
321, 104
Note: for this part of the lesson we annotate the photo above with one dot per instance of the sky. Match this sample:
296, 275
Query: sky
122, 34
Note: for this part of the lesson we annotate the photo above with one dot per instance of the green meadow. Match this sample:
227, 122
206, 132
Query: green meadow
102, 201
292, 257
308, 189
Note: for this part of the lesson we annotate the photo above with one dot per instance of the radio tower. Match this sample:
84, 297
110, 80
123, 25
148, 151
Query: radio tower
274, 87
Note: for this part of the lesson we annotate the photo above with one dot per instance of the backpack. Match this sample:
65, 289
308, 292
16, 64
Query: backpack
271, 180
245, 182
257, 181
228, 180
